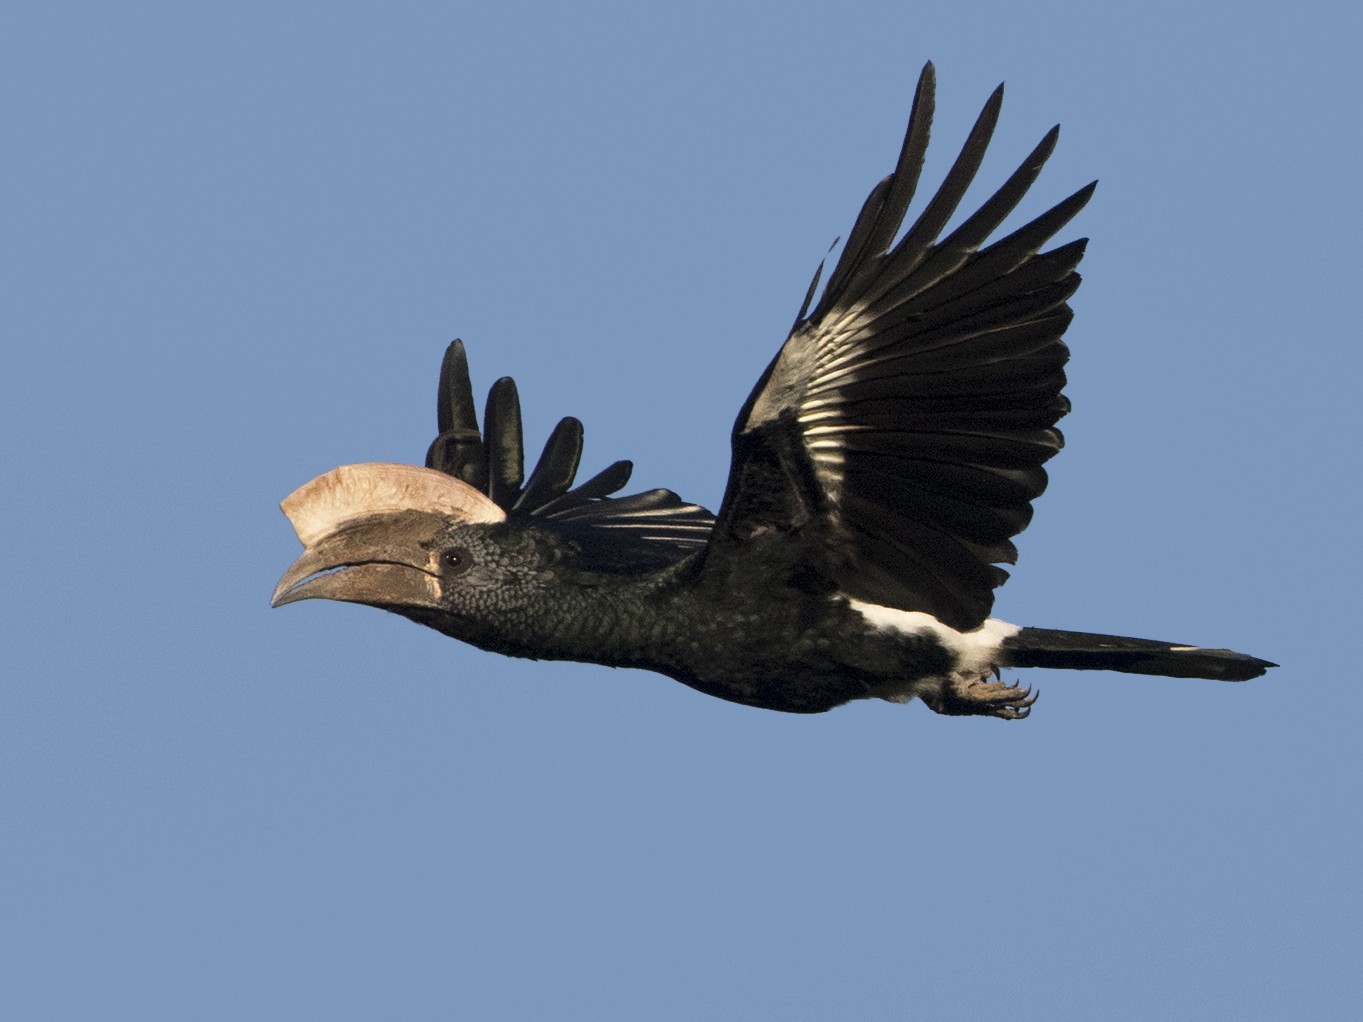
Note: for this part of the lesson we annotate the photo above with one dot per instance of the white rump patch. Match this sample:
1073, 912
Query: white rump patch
976, 650
323, 505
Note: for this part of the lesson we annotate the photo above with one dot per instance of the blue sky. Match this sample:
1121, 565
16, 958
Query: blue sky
236, 240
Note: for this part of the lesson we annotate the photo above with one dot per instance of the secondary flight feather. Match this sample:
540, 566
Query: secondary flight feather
880, 469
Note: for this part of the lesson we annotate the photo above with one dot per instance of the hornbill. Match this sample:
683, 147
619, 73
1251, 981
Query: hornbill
881, 467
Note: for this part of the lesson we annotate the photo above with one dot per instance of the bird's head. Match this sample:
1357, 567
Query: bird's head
414, 541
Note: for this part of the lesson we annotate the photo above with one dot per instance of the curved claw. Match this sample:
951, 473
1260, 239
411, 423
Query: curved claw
983, 697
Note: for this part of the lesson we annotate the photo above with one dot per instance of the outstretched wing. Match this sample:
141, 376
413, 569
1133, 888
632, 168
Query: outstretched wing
638, 532
902, 428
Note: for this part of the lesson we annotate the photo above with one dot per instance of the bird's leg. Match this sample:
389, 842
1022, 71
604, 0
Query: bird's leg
983, 697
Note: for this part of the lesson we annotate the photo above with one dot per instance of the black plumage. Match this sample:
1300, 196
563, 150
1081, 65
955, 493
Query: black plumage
644, 529
881, 468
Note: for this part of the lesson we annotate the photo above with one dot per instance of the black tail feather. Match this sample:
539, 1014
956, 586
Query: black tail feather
1083, 651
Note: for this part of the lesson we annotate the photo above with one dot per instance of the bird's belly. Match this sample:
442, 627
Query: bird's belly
784, 663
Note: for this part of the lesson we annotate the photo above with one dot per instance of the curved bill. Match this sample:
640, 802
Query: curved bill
366, 530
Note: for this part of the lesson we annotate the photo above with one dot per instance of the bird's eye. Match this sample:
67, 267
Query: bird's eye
455, 560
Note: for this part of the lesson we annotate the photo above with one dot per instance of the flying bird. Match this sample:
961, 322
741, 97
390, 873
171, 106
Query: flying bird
880, 469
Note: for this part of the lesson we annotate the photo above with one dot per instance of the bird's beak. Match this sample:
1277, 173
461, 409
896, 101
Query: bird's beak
381, 561
367, 531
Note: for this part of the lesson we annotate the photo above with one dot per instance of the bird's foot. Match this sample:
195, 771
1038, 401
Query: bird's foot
982, 697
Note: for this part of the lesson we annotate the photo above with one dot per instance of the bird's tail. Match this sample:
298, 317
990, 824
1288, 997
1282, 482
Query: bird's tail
1083, 651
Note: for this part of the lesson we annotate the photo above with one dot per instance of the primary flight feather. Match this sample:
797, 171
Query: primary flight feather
881, 467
